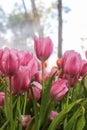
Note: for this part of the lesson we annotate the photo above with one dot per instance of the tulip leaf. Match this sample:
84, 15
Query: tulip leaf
62, 114
85, 81
76, 120
81, 121
45, 99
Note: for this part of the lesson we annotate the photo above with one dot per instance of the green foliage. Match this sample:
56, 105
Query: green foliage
2, 117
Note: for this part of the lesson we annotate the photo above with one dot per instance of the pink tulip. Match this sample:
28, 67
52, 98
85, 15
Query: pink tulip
43, 48
2, 97
53, 115
33, 66
37, 84
25, 57
21, 80
71, 62
71, 79
9, 61
83, 68
38, 76
59, 89
25, 120
36, 92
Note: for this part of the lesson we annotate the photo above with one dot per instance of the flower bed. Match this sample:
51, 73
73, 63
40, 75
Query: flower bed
31, 98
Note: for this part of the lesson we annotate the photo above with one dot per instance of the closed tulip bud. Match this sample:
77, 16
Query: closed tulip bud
21, 80
83, 68
71, 62
53, 115
72, 79
59, 89
36, 92
9, 61
43, 48
25, 57
25, 120
33, 66
38, 76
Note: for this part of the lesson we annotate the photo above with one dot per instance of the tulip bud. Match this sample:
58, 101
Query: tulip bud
71, 62
52, 115
43, 48
25, 57
25, 120
38, 76
59, 89
9, 61
83, 68
36, 92
21, 80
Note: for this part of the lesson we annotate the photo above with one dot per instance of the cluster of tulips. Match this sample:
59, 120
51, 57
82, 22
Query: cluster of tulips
33, 98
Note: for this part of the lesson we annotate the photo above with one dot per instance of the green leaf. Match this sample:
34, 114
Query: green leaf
45, 99
81, 121
75, 119
62, 114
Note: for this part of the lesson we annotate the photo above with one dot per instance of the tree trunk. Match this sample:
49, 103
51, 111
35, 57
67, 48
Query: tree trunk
38, 26
59, 28
29, 22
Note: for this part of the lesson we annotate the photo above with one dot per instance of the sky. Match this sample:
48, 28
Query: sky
74, 29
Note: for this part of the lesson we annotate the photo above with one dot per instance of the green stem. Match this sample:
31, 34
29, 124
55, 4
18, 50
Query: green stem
5, 124
66, 105
42, 96
25, 102
43, 78
19, 113
6, 101
11, 109
35, 110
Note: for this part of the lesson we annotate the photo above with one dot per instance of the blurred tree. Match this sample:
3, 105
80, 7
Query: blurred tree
25, 21
59, 28
60, 25
21, 24
38, 26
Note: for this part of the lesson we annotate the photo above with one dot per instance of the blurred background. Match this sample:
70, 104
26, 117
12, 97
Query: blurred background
65, 21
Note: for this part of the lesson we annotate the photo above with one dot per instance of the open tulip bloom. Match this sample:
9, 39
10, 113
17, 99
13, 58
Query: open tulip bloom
33, 98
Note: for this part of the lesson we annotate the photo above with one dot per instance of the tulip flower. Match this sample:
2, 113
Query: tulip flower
36, 92
25, 120
71, 62
2, 97
43, 48
33, 66
53, 115
38, 76
21, 80
83, 68
71, 79
25, 57
9, 61
59, 89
